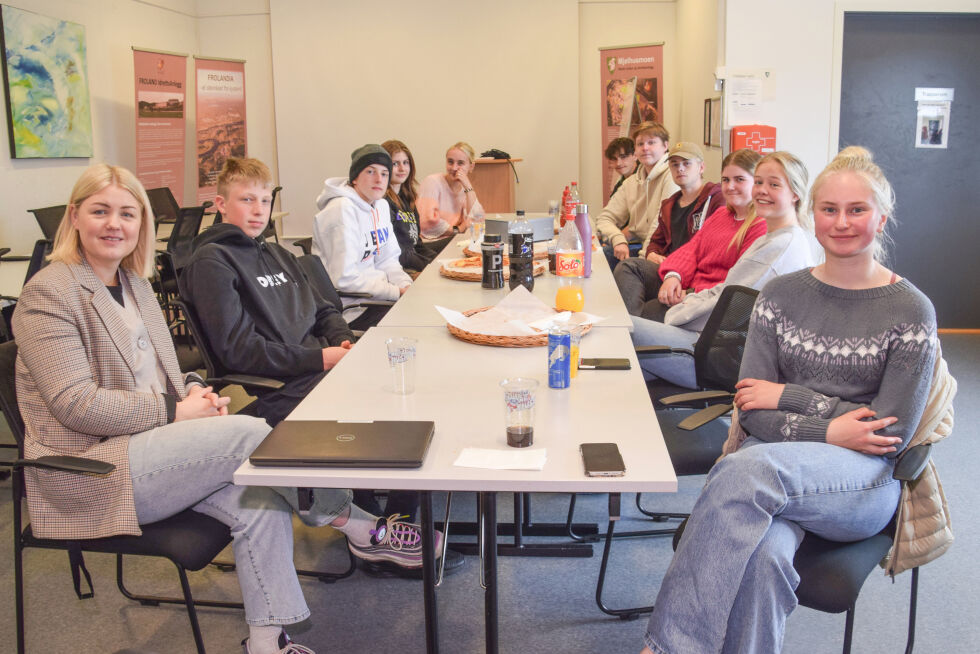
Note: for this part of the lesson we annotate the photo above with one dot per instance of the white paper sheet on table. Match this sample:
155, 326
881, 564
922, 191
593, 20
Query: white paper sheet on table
509, 459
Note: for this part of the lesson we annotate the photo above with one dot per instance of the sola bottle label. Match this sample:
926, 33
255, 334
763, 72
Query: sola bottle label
570, 264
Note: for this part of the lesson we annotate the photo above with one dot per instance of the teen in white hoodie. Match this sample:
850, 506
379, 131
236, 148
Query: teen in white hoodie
353, 235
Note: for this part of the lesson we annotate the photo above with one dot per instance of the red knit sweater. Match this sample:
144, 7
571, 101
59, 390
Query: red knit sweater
704, 261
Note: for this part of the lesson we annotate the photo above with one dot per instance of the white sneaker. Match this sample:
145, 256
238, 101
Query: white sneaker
286, 646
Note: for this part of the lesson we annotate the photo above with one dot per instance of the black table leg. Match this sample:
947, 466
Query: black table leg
488, 506
429, 576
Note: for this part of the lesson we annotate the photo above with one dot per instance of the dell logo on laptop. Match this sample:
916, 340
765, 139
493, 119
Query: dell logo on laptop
344, 438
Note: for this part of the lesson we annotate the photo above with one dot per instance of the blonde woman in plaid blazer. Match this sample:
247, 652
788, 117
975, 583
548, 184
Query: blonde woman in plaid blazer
97, 376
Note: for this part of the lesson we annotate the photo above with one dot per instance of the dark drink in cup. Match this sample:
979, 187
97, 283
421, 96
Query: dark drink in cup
520, 436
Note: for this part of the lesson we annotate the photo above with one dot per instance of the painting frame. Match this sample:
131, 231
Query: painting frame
45, 84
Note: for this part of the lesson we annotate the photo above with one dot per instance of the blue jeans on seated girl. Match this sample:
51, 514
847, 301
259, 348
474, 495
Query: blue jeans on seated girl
189, 464
674, 368
731, 582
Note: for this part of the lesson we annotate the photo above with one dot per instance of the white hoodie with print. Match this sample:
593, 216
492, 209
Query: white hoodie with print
357, 244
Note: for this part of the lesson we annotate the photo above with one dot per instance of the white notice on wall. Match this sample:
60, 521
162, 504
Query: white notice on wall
923, 94
932, 117
743, 95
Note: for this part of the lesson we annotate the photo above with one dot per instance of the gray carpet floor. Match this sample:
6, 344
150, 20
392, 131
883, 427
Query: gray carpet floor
546, 605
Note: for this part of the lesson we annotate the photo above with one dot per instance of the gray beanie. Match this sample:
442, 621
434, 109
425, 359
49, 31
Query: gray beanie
366, 155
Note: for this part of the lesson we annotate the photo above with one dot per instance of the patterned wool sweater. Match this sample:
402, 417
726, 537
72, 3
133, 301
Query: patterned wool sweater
837, 350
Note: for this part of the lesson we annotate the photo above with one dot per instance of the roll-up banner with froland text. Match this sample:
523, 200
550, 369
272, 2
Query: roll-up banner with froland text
632, 92
220, 119
161, 94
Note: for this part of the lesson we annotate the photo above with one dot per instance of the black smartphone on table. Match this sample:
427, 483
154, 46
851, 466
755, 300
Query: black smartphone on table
605, 363
602, 460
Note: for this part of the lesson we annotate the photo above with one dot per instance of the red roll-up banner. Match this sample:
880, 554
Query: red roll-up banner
161, 92
632, 92
220, 120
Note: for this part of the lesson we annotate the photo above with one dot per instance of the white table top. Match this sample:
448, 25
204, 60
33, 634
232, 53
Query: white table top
457, 386
417, 307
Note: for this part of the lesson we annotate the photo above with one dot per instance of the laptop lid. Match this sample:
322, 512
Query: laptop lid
334, 444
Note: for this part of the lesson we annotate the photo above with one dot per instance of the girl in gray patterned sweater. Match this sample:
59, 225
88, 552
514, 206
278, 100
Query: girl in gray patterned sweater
835, 377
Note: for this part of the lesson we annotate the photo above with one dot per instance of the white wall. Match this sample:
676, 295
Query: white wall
610, 23
430, 73
697, 32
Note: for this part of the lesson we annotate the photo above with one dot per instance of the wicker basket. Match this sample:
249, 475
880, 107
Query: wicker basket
535, 340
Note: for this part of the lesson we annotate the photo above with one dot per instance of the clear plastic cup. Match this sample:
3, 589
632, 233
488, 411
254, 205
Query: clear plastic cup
401, 360
519, 400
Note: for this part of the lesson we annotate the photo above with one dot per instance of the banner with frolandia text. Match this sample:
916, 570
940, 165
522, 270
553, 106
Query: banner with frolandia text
220, 119
632, 92
161, 88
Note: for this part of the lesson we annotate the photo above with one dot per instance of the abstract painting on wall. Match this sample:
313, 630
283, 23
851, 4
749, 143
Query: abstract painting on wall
46, 89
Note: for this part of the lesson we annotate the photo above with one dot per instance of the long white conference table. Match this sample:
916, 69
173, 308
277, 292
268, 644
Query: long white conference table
457, 387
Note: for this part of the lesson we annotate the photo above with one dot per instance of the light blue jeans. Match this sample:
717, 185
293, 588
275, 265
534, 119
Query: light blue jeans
189, 464
731, 582
674, 368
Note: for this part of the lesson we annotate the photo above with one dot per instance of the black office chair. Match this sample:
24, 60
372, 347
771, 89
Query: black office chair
693, 436
189, 540
832, 573
305, 244
318, 277
49, 218
164, 205
178, 251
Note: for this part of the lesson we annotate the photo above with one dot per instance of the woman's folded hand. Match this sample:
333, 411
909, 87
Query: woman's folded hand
757, 394
201, 402
852, 431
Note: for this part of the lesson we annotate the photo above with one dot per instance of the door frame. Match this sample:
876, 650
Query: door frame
842, 7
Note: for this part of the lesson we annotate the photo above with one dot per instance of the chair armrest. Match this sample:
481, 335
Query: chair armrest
246, 381
912, 462
694, 396
353, 294
74, 464
652, 350
704, 416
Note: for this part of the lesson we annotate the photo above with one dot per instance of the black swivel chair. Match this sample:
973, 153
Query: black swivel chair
49, 218
694, 438
169, 264
832, 573
164, 205
317, 275
190, 540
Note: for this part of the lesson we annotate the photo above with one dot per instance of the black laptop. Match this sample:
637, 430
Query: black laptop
333, 444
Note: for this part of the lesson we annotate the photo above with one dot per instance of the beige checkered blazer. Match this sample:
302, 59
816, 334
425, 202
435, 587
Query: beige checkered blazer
75, 391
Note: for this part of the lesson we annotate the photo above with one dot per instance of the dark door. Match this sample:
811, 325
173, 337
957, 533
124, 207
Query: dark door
885, 57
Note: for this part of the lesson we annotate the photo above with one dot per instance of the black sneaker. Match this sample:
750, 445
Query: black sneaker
286, 646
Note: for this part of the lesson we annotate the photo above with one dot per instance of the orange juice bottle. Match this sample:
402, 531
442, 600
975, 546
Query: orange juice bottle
570, 298
570, 267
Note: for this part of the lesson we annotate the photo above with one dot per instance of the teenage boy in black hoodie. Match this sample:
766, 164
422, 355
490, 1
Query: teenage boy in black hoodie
260, 314
262, 317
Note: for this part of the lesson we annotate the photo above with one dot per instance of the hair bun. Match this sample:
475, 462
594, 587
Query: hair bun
855, 153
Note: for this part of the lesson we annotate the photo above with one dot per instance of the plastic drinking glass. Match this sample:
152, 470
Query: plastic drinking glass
519, 410
401, 360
